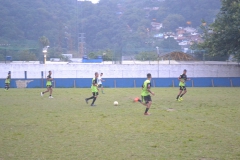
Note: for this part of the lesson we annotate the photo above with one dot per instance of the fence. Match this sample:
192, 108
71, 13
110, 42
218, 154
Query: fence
124, 82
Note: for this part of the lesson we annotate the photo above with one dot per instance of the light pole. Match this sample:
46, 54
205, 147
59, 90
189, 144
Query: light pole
45, 53
158, 59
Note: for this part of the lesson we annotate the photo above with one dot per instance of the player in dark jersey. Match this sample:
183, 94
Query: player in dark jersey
49, 85
94, 89
182, 80
7, 81
146, 94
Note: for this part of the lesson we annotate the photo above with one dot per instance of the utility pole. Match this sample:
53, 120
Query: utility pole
81, 35
81, 44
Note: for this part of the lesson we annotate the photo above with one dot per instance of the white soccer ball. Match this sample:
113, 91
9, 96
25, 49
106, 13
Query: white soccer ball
115, 103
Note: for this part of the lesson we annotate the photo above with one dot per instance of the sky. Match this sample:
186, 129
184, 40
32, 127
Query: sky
94, 1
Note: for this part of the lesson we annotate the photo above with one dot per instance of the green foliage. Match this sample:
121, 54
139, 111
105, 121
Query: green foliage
24, 56
2, 57
147, 56
92, 55
168, 45
224, 38
173, 21
44, 41
107, 54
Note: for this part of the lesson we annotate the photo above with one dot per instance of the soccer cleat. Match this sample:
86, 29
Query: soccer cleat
86, 100
50, 96
93, 105
181, 98
139, 101
41, 94
147, 114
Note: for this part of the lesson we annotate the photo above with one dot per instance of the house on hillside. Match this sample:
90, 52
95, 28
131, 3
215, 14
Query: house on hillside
156, 26
190, 30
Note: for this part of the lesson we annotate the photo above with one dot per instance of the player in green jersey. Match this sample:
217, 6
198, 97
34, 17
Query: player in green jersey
49, 85
182, 80
146, 97
94, 89
7, 81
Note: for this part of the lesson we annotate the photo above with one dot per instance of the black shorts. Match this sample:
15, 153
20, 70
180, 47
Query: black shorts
100, 85
95, 93
147, 99
183, 88
49, 86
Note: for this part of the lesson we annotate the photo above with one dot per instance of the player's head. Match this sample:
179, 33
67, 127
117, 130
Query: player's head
149, 76
9, 73
96, 74
101, 74
49, 72
184, 71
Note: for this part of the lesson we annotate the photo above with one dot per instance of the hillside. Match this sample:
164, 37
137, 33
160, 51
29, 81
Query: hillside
108, 24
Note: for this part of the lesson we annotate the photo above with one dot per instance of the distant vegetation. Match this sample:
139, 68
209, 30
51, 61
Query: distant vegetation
111, 24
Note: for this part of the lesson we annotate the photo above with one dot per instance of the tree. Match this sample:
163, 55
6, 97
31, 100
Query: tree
147, 56
169, 45
24, 56
173, 21
44, 41
224, 36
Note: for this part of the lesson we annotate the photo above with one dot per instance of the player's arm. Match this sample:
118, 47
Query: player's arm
180, 79
49, 79
95, 83
148, 88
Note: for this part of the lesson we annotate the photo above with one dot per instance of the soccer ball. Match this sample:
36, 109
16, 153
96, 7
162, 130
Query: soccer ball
115, 103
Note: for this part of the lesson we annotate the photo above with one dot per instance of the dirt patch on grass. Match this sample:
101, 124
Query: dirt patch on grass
170, 109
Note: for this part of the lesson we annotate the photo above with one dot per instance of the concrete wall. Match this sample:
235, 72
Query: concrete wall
118, 71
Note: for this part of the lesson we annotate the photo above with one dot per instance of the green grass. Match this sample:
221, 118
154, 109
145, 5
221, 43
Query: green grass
205, 126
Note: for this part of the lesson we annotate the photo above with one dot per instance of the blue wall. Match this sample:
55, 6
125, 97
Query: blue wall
128, 82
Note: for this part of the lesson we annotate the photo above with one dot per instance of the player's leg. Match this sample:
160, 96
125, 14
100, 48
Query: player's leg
50, 90
142, 102
42, 93
102, 89
92, 97
180, 92
184, 92
95, 94
6, 86
148, 101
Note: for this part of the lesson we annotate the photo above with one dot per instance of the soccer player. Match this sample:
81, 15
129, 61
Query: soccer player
183, 90
100, 80
94, 89
49, 85
7, 81
146, 94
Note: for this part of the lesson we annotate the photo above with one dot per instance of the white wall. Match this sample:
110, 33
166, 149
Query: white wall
119, 71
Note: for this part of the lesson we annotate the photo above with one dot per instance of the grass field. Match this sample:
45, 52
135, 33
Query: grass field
205, 126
